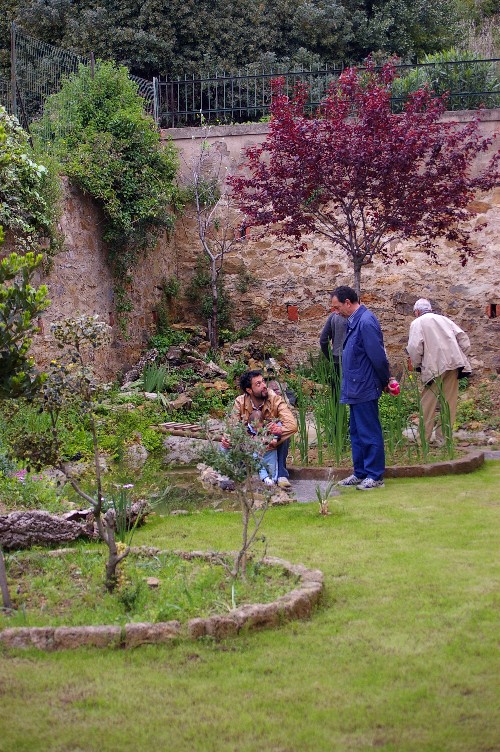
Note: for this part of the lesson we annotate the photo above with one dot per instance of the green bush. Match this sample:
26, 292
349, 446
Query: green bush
29, 191
168, 337
438, 72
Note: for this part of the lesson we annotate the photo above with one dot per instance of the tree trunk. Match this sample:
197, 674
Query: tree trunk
357, 279
4, 587
214, 323
114, 556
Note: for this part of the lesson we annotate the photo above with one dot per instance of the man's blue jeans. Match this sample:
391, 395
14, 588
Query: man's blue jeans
367, 441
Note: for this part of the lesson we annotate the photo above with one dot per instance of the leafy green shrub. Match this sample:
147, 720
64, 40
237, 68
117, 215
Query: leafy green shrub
200, 293
20, 306
438, 72
29, 192
168, 337
152, 440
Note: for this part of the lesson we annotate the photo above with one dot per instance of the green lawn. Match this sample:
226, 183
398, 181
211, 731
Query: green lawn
402, 655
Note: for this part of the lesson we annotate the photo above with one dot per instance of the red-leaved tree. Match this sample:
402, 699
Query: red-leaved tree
362, 176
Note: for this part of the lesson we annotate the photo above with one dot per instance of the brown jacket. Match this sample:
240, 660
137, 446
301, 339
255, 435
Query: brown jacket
274, 409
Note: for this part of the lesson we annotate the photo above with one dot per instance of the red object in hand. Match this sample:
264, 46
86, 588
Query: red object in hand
393, 387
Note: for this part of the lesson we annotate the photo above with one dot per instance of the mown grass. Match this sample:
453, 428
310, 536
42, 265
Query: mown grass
401, 656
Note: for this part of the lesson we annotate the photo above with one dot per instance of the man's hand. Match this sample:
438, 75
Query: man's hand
275, 428
273, 444
224, 442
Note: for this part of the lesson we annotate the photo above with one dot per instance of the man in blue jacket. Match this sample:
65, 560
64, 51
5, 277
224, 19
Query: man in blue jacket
365, 375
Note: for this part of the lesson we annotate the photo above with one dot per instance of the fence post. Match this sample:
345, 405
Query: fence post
13, 68
156, 101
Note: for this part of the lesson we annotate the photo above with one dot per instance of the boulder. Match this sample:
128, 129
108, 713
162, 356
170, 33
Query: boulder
182, 450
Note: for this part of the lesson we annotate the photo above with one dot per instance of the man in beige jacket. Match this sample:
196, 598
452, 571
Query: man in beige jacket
272, 407
437, 348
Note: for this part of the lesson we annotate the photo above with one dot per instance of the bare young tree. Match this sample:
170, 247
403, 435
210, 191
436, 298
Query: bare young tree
217, 216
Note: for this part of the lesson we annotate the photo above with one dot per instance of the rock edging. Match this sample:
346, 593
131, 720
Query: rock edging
297, 604
466, 464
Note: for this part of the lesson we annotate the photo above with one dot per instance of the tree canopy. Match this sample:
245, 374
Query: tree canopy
181, 37
362, 176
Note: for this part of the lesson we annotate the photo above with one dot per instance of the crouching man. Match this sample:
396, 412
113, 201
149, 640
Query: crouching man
276, 416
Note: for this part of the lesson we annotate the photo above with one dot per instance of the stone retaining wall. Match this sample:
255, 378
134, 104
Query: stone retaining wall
289, 295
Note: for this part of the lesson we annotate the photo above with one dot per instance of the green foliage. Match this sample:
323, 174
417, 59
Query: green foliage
241, 460
168, 337
111, 149
20, 306
25, 491
29, 192
226, 335
223, 36
152, 440
200, 293
170, 290
437, 73
154, 377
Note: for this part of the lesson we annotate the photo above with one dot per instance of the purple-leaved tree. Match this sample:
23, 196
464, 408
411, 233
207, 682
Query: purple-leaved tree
363, 176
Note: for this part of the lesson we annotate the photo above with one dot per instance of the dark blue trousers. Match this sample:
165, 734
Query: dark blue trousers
282, 451
367, 441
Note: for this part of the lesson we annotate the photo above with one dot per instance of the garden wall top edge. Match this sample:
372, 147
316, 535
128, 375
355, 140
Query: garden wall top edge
466, 464
249, 129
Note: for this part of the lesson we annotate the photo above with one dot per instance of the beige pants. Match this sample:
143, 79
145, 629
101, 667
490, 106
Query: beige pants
447, 384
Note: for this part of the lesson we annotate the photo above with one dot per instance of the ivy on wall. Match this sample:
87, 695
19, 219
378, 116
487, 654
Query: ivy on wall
29, 191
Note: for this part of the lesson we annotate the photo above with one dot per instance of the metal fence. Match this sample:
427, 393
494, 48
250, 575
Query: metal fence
246, 97
38, 70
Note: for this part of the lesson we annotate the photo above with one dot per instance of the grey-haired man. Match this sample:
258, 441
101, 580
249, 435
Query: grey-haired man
438, 349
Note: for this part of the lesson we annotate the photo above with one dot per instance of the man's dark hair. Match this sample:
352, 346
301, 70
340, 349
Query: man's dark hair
246, 379
344, 293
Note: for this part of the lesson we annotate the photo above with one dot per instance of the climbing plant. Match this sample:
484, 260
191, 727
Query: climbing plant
28, 191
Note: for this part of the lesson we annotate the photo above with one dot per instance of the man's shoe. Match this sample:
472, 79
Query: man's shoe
368, 483
352, 480
284, 482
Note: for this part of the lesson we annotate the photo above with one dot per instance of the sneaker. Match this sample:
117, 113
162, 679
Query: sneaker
352, 480
283, 482
368, 483
268, 481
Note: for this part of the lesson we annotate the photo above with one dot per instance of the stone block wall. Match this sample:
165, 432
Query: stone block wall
289, 294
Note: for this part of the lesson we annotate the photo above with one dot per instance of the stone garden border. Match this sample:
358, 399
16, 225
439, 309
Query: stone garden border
297, 604
466, 464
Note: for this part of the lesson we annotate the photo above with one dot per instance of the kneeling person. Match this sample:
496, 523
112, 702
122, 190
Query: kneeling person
275, 415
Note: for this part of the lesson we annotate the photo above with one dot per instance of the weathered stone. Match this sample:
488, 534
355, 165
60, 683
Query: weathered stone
135, 455
140, 634
221, 627
258, 615
183, 401
197, 628
27, 637
182, 450
68, 638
